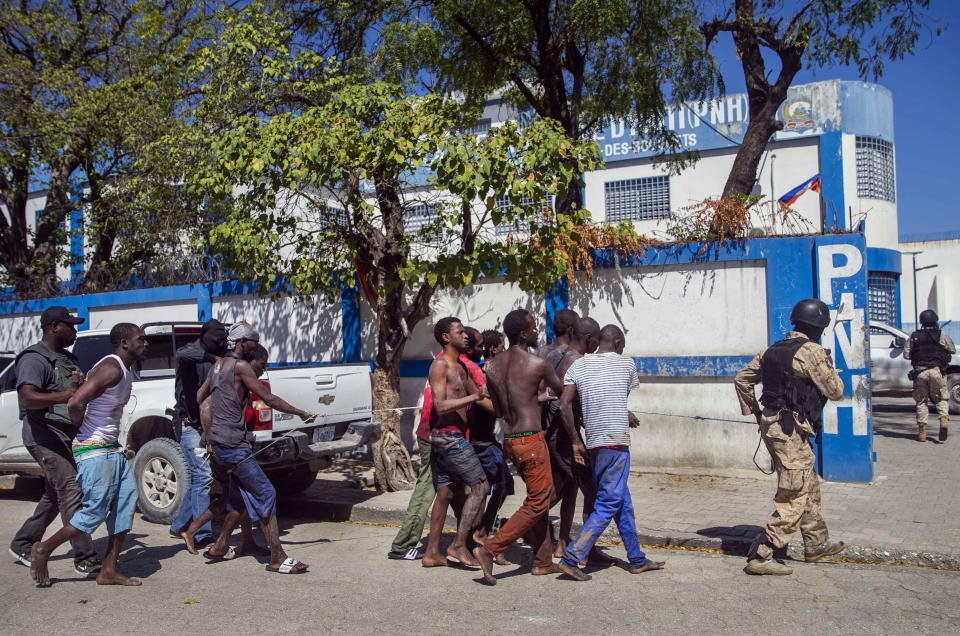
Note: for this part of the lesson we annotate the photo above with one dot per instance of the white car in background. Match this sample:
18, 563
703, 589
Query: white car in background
888, 367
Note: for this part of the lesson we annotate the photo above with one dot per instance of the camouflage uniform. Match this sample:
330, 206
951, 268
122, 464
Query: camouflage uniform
797, 500
930, 384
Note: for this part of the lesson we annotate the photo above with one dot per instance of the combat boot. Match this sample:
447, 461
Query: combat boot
828, 548
943, 428
756, 565
921, 432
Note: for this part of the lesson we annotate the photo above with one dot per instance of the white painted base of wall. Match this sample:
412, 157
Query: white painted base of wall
674, 437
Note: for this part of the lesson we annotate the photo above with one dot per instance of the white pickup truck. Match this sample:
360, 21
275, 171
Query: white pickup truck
290, 452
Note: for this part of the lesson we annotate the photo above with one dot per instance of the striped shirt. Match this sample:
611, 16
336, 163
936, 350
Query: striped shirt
603, 381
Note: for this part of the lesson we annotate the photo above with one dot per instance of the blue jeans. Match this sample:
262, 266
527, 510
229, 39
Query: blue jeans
109, 492
250, 488
197, 497
611, 469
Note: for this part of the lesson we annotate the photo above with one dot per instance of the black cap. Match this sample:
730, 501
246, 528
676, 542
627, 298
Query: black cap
57, 313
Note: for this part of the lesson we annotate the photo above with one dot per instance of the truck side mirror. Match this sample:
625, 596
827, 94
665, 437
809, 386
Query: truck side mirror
897, 343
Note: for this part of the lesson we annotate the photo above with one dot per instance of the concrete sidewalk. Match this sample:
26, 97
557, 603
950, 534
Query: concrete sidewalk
909, 515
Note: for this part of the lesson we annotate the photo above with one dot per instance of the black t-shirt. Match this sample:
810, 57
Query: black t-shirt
193, 364
38, 430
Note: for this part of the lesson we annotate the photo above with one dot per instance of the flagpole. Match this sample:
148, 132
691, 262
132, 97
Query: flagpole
823, 209
773, 199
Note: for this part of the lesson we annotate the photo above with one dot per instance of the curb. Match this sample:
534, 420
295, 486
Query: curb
325, 509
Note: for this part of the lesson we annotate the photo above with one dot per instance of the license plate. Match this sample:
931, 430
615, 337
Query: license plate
323, 434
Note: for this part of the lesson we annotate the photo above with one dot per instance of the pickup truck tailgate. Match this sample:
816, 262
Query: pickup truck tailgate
338, 393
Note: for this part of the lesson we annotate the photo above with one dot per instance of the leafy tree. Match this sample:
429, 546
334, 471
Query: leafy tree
865, 33
577, 62
362, 179
86, 85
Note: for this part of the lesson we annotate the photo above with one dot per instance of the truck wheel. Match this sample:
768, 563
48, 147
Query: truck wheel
953, 387
163, 478
290, 481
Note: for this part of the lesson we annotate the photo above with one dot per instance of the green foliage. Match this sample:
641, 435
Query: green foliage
87, 86
306, 195
578, 61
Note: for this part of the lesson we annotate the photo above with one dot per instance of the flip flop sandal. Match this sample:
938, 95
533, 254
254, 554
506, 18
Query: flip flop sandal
230, 554
290, 566
410, 555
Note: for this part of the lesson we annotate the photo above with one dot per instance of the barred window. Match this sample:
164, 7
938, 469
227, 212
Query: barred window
480, 128
517, 225
418, 215
882, 298
875, 169
637, 199
331, 217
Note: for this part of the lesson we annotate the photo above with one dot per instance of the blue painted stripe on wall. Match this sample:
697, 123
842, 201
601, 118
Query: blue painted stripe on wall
656, 366
691, 366
883, 260
556, 299
350, 323
831, 188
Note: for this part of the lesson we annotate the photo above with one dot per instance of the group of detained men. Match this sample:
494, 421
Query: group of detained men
71, 426
566, 429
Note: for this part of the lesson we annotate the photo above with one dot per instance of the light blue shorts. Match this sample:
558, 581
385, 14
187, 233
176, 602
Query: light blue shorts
109, 493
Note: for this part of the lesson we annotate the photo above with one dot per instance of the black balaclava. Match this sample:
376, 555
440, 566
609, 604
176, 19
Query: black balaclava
213, 337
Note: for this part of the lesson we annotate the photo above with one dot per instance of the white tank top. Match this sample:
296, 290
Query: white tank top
101, 421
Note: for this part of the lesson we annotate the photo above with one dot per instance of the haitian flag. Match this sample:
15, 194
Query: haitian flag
813, 183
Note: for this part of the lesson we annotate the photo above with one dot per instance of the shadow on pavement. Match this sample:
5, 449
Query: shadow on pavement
733, 539
325, 500
139, 560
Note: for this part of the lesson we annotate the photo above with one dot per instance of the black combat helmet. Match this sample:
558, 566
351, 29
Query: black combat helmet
929, 317
811, 311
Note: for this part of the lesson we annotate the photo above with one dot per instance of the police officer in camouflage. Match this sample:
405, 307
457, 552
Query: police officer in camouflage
798, 378
929, 350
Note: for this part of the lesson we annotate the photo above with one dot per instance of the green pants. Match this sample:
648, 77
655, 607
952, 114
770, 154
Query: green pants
420, 501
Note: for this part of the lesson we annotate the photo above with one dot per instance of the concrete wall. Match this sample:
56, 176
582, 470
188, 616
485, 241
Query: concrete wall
138, 313
692, 313
291, 330
938, 288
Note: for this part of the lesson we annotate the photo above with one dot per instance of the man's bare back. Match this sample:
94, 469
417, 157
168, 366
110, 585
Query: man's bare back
514, 378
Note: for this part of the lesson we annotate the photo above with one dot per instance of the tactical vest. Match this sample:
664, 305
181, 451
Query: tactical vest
63, 368
783, 389
926, 350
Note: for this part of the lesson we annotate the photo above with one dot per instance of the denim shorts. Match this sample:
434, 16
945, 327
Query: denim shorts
457, 462
109, 492
249, 486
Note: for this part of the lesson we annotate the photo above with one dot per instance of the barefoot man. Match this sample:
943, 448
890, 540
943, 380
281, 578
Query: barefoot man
603, 381
230, 383
109, 489
514, 378
453, 391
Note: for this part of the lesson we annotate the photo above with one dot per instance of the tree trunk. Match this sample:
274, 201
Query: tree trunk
392, 467
763, 125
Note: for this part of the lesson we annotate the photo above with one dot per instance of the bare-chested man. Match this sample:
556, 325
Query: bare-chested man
453, 392
514, 378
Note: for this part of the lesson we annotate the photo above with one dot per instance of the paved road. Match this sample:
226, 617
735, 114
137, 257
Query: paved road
353, 589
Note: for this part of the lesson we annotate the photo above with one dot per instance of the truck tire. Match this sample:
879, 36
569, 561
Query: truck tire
163, 478
953, 387
290, 481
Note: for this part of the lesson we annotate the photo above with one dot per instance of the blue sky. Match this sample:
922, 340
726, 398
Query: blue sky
926, 102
